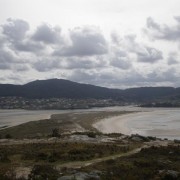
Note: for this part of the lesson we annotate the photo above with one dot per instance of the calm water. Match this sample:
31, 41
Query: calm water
164, 123
16, 117
158, 122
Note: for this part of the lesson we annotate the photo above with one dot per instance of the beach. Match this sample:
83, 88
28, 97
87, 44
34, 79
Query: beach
163, 123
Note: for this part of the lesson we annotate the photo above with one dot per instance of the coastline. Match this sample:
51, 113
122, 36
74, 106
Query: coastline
159, 124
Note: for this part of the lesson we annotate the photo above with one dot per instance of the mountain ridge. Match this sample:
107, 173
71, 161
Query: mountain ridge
61, 88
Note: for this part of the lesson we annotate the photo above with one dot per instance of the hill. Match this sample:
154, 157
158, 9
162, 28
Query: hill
60, 88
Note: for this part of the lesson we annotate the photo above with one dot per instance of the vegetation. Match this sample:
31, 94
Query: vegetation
152, 163
42, 172
43, 156
55, 152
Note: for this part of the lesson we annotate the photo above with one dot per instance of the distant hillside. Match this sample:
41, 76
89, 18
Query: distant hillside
60, 88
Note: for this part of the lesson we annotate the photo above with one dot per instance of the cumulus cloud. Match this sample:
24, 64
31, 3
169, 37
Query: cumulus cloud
71, 63
120, 60
149, 55
15, 32
86, 41
47, 34
144, 53
173, 58
122, 63
8, 60
84, 63
46, 64
163, 31
28, 46
169, 75
84, 55
15, 29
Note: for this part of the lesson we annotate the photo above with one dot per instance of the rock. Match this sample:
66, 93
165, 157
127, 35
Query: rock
82, 176
172, 174
66, 178
169, 174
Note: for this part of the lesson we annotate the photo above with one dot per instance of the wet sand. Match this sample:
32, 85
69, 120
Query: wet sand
14, 117
163, 123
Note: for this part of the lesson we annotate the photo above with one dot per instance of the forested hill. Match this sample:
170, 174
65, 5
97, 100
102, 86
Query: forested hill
60, 88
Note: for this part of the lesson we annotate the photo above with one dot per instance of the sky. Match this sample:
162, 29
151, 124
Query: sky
110, 43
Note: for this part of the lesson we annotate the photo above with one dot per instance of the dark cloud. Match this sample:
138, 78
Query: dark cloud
108, 77
164, 31
120, 60
6, 58
87, 41
9, 60
143, 52
47, 34
84, 55
28, 46
15, 29
172, 58
122, 63
46, 64
83, 76
169, 75
149, 55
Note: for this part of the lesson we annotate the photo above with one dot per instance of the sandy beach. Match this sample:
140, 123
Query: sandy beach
164, 123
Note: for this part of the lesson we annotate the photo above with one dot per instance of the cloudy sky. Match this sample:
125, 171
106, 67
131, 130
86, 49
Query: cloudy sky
111, 43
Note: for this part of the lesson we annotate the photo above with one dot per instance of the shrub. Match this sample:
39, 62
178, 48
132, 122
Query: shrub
42, 172
8, 136
55, 132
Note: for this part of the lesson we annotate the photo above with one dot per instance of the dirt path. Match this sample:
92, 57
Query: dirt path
79, 164
24, 171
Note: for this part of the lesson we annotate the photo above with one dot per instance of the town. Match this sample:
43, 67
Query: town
55, 103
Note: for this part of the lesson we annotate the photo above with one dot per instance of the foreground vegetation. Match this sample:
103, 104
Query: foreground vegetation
67, 147
45, 161
151, 163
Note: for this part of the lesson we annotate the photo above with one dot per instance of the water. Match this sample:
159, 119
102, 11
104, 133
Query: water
160, 122
15, 117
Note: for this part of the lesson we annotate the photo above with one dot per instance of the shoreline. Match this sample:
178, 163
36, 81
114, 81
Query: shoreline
159, 124
128, 120
105, 125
